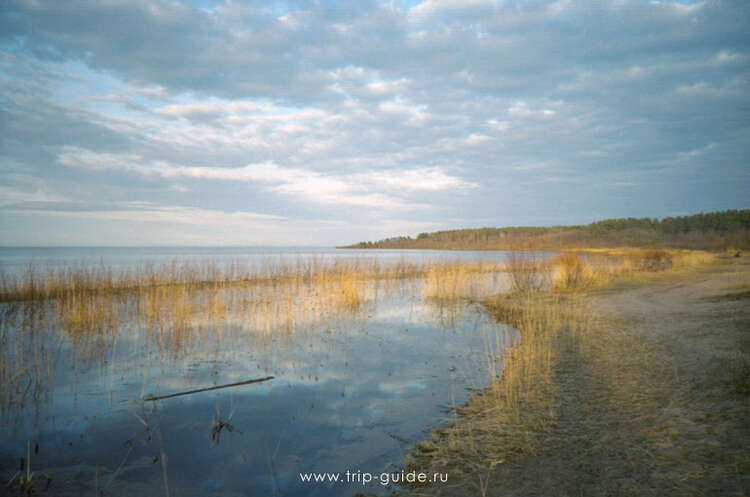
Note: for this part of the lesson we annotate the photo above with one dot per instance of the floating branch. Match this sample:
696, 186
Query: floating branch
217, 387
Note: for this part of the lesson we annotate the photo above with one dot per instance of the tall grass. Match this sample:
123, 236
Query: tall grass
176, 297
176, 305
457, 281
527, 272
26, 361
32, 284
597, 267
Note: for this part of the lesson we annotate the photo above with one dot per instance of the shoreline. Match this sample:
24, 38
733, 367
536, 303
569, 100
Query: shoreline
641, 389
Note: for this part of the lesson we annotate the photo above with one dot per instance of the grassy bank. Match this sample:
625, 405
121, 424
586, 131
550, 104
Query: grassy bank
590, 402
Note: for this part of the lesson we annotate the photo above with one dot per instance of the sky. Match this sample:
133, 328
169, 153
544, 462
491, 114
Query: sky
331, 122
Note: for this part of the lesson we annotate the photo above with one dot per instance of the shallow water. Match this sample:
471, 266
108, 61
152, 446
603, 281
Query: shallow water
352, 390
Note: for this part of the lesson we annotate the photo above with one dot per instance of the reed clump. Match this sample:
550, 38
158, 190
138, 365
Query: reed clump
527, 273
180, 296
592, 268
35, 285
26, 361
457, 281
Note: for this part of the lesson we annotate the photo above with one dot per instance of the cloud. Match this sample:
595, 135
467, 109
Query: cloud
384, 190
164, 214
14, 196
310, 185
430, 115
210, 109
424, 178
521, 109
432, 8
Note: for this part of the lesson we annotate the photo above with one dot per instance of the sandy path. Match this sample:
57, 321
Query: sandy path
687, 332
648, 405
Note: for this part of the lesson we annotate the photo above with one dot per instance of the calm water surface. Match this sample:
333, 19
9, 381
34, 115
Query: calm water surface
14, 260
352, 389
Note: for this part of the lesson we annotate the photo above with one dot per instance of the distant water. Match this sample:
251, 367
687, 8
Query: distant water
16, 259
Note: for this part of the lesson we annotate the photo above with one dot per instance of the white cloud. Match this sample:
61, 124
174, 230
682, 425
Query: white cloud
728, 57
217, 108
386, 87
400, 106
379, 189
166, 214
691, 154
78, 157
433, 7
425, 178
302, 184
521, 109
498, 125
10, 195
707, 91
475, 139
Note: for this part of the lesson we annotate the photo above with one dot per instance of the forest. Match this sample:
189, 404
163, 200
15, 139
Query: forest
722, 230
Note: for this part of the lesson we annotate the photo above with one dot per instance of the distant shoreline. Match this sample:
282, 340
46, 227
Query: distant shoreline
706, 231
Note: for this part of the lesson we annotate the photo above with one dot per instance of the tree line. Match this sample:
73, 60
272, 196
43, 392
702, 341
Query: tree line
712, 230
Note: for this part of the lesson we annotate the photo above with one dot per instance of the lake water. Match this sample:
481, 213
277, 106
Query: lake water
353, 386
14, 260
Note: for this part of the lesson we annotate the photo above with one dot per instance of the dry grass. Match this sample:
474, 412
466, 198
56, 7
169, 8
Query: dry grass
574, 270
176, 298
527, 273
565, 392
739, 373
457, 281
594, 268
25, 358
71, 283
504, 421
